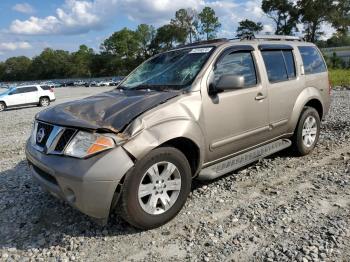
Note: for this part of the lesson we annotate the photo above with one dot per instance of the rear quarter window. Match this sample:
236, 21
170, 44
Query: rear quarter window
45, 88
312, 60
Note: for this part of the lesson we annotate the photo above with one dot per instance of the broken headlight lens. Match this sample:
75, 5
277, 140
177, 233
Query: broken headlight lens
85, 144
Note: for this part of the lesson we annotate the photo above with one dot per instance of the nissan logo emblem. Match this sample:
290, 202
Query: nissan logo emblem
40, 135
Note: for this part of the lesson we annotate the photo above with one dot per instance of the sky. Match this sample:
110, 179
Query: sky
27, 27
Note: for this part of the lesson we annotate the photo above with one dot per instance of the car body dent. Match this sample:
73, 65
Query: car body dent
180, 117
111, 111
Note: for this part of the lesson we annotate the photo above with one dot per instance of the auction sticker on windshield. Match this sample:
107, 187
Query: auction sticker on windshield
201, 50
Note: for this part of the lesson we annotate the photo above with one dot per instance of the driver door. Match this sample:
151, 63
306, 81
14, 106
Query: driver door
235, 119
16, 97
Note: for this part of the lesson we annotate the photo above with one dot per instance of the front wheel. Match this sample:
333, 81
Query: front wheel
2, 106
156, 189
307, 131
44, 101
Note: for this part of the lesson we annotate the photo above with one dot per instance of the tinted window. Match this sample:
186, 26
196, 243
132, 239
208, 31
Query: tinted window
28, 89
275, 66
289, 60
45, 87
237, 63
312, 60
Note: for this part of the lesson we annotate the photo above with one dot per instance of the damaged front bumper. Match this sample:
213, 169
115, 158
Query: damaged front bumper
88, 185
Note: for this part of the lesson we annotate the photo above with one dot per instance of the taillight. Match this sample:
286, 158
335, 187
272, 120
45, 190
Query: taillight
51, 90
329, 85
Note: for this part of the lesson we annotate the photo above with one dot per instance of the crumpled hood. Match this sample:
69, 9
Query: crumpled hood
111, 111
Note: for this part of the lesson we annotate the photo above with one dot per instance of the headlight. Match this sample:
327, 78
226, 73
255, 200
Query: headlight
86, 144
33, 134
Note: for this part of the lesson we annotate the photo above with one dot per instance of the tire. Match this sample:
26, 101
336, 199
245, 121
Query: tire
44, 102
2, 106
307, 132
135, 204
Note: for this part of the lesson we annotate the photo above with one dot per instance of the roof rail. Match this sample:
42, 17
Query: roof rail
212, 41
273, 37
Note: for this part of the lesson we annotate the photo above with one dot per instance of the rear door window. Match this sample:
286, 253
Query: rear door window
30, 89
312, 60
279, 65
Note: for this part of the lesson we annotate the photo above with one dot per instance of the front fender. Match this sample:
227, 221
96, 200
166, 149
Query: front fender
304, 97
164, 131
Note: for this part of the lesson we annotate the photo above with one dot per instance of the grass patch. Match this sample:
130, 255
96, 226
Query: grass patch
340, 77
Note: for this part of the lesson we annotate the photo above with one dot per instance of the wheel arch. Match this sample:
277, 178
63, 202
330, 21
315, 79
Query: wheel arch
182, 134
188, 148
308, 97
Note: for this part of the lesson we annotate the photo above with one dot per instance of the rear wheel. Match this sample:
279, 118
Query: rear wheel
307, 132
156, 189
2, 106
44, 101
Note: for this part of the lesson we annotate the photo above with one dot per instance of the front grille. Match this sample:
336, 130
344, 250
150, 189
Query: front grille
45, 130
64, 139
45, 175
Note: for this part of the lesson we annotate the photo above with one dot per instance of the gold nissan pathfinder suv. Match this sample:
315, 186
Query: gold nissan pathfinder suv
198, 111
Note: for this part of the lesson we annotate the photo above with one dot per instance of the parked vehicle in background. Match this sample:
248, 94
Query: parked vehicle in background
103, 83
27, 95
199, 111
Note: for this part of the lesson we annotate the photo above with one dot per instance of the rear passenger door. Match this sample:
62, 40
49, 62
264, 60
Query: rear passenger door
283, 85
31, 94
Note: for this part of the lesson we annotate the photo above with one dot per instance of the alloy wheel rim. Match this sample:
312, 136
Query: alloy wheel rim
45, 102
2, 107
309, 131
159, 188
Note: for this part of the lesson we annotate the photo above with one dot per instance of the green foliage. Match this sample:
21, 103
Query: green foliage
248, 27
209, 23
16, 68
340, 77
313, 14
284, 13
340, 16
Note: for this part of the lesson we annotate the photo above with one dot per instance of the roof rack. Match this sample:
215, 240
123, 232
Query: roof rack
218, 40
273, 37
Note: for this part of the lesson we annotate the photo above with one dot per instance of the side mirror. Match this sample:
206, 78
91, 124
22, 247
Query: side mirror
230, 82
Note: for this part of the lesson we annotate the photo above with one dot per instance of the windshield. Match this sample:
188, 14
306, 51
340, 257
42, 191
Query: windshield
174, 70
6, 92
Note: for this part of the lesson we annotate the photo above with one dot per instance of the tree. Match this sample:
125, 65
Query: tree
16, 68
185, 20
123, 43
340, 18
146, 35
51, 64
313, 14
283, 13
248, 27
209, 23
81, 62
167, 36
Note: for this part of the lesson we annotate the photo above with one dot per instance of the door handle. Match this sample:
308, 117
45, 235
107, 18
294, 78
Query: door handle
260, 96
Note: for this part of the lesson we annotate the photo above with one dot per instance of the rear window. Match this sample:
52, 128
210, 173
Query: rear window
279, 65
312, 60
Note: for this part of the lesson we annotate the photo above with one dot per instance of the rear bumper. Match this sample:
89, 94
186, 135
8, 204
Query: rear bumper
86, 184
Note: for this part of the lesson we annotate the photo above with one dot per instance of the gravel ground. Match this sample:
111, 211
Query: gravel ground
280, 209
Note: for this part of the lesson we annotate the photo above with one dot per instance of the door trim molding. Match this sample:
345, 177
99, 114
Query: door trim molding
231, 139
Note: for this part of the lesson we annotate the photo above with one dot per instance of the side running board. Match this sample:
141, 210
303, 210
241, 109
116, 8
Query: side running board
244, 159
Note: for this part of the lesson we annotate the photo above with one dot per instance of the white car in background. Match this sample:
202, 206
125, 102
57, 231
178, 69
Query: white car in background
27, 95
